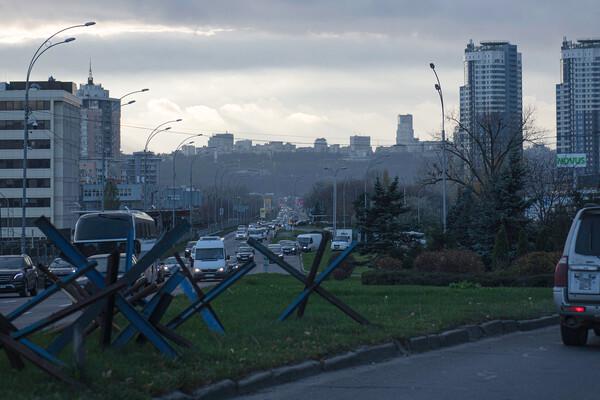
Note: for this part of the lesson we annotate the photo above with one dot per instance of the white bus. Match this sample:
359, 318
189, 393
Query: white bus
101, 232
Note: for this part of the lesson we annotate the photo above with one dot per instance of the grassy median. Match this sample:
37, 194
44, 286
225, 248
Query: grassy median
256, 341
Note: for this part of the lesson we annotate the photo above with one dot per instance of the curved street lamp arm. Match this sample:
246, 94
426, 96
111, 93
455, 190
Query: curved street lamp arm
50, 38
134, 92
39, 55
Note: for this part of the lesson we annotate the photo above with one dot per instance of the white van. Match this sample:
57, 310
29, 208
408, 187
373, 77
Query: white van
577, 279
309, 241
210, 258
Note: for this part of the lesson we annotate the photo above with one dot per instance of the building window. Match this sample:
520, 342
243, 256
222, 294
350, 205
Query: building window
12, 125
16, 144
16, 183
18, 163
17, 105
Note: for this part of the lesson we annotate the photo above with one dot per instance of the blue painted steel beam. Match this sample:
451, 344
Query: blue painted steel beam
171, 284
210, 295
320, 278
48, 292
76, 258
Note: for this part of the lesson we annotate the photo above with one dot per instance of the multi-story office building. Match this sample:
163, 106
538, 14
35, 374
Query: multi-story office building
405, 134
243, 146
221, 142
52, 157
492, 89
321, 145
360, 145
100, 133
578, 102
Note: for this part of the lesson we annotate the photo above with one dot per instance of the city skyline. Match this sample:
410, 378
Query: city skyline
270, 76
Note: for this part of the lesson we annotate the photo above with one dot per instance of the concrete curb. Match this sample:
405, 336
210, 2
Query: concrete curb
364, 355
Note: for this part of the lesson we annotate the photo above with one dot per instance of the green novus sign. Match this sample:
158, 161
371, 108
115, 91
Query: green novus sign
571, 160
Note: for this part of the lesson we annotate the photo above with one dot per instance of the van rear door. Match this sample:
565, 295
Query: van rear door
584, 260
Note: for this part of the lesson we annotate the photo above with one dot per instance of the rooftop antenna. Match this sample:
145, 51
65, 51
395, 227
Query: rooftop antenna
90, 76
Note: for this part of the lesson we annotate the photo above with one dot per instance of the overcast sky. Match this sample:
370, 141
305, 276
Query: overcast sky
288, 70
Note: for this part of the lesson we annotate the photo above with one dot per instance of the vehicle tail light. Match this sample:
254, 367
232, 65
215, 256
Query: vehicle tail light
560, 273
576, 309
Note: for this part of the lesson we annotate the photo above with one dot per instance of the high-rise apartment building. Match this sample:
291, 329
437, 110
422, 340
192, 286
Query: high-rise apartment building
100, 133
578, 102
492, 89
405, 134
52, 157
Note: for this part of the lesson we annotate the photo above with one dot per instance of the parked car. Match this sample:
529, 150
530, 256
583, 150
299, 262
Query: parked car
289, 247
276, 249
60, 268
18, 274
244, 253
577, 279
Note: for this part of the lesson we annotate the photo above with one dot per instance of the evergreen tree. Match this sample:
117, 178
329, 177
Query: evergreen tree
522, 243
380, 222
500, 254
111, 196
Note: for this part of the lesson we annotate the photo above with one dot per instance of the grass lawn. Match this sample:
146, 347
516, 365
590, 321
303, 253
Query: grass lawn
255, 340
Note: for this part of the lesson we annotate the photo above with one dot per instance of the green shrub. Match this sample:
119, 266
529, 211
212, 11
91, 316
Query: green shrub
535, 263
344, 270
490, 279
449, 261
386, 263
464, 285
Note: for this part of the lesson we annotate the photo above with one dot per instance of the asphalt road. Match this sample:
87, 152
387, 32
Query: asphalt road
9, 301
526, 365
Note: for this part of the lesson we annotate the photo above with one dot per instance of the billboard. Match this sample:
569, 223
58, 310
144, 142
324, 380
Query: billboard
571, 160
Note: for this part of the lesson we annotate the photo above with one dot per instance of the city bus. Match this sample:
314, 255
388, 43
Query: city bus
101, 232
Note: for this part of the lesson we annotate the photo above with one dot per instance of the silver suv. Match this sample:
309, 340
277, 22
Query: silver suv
577, 279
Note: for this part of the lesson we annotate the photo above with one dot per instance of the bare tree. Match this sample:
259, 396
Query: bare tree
547, 186
479, 154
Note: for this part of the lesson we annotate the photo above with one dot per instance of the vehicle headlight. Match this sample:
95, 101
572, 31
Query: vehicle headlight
18, 276
221, 269
196, 269
73, 270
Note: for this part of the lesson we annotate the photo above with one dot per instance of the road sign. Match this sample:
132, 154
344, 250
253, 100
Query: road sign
571, 160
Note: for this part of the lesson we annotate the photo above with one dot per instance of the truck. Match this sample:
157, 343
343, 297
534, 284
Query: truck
341, 240
210, 259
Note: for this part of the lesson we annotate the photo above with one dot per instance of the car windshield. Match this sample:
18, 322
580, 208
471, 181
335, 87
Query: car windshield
170, 260
588, 237
254, 232
11, 262
103, 264
274, 248
213, 254
304, 240
341, 238
244, 250
60, 263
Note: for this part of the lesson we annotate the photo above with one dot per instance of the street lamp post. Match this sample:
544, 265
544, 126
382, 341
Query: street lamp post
151, 136
335, 173
184, 141
438, 88
38, 53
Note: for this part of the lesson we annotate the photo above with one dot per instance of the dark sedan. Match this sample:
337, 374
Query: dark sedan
18, 274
